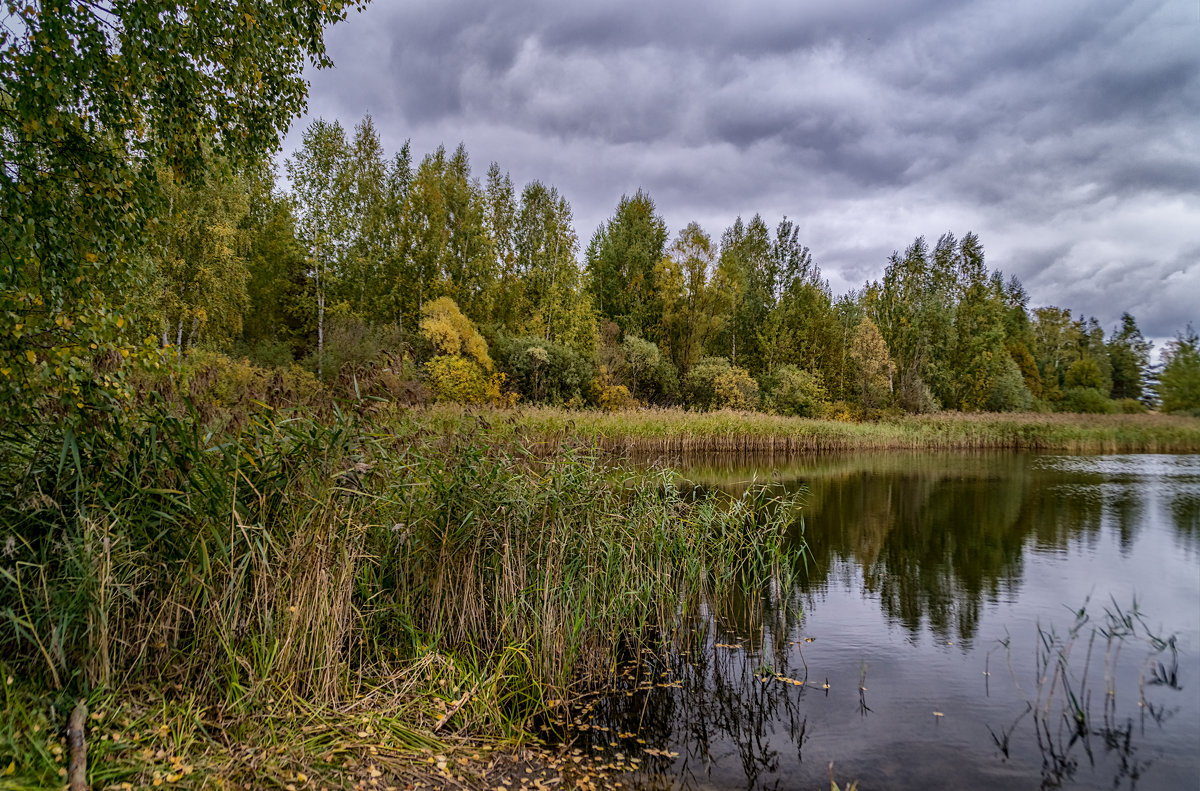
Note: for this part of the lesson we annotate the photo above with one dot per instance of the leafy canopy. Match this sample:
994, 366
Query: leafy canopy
94, 98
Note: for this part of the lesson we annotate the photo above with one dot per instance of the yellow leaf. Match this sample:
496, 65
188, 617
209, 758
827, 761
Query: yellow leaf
11, 768
29, 355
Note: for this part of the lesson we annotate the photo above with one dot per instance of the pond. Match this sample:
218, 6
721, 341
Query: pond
961, 621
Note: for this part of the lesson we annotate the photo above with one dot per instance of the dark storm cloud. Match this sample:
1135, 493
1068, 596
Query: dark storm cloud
1064, 134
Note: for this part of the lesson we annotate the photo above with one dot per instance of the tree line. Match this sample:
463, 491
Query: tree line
366, 252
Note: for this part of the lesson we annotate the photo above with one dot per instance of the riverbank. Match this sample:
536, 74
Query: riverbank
674, 431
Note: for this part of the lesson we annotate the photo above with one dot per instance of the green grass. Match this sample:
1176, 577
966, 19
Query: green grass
676, 431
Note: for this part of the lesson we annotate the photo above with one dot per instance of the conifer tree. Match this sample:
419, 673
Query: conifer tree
621, 258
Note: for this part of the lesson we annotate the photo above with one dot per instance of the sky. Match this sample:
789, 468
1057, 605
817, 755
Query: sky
1065, 134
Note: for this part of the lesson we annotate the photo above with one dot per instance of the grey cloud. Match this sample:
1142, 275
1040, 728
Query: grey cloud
1055, 131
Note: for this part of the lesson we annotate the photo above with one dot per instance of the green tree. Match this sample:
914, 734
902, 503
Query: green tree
200, 258
550, 288
1129, 358
1084, 372
979, 357
450, 250
471, 262
370, 218
748, 265
792, 391
396, 241
914, 306
320, 174
1055, 347
807, 333
97, 97
501, 219
1179, 382
621, 258
277, 327
695, 302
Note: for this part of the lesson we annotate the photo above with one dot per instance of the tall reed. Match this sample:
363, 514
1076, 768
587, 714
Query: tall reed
677, 431
330, 559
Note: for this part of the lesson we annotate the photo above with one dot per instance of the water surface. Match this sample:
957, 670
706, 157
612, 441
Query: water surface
941, 595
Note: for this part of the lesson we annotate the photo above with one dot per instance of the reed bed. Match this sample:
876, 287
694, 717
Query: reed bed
441, 585
677, 431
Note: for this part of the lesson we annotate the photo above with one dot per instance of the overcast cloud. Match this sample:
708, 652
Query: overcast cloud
1065, 134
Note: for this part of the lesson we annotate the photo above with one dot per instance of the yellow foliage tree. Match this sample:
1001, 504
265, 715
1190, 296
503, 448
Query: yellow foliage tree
452, 333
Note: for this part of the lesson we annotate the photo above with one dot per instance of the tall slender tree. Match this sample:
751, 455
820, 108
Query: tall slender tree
1129, 359
319, 172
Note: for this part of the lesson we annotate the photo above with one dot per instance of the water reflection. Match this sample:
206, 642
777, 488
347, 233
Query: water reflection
938, 535
921, 650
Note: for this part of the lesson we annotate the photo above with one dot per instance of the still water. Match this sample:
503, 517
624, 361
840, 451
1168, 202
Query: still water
1007, 621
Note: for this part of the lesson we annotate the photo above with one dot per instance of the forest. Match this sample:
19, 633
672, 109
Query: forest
482, 292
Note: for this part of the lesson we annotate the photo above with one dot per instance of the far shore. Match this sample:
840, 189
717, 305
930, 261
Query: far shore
681, 431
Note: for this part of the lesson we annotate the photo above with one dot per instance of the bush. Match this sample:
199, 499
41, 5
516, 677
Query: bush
544, 371
735, 389
452, 333
713, 383
647, 372
1009, 392
1129, 406
1087, 400
215, 380
455, 378
266, 354
792, 391
916, 397
615, 398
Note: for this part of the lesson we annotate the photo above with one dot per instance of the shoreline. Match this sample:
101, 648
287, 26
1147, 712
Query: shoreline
677, 431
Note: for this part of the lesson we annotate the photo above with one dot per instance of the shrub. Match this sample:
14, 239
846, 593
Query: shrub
1009, 392
452, 333
1129, 406
713, 383
615, 398
916, 397
543, 370
455, 378
1087, 400
267, 353
212, 379
793, 391
735, 389
351, 343
647, 372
